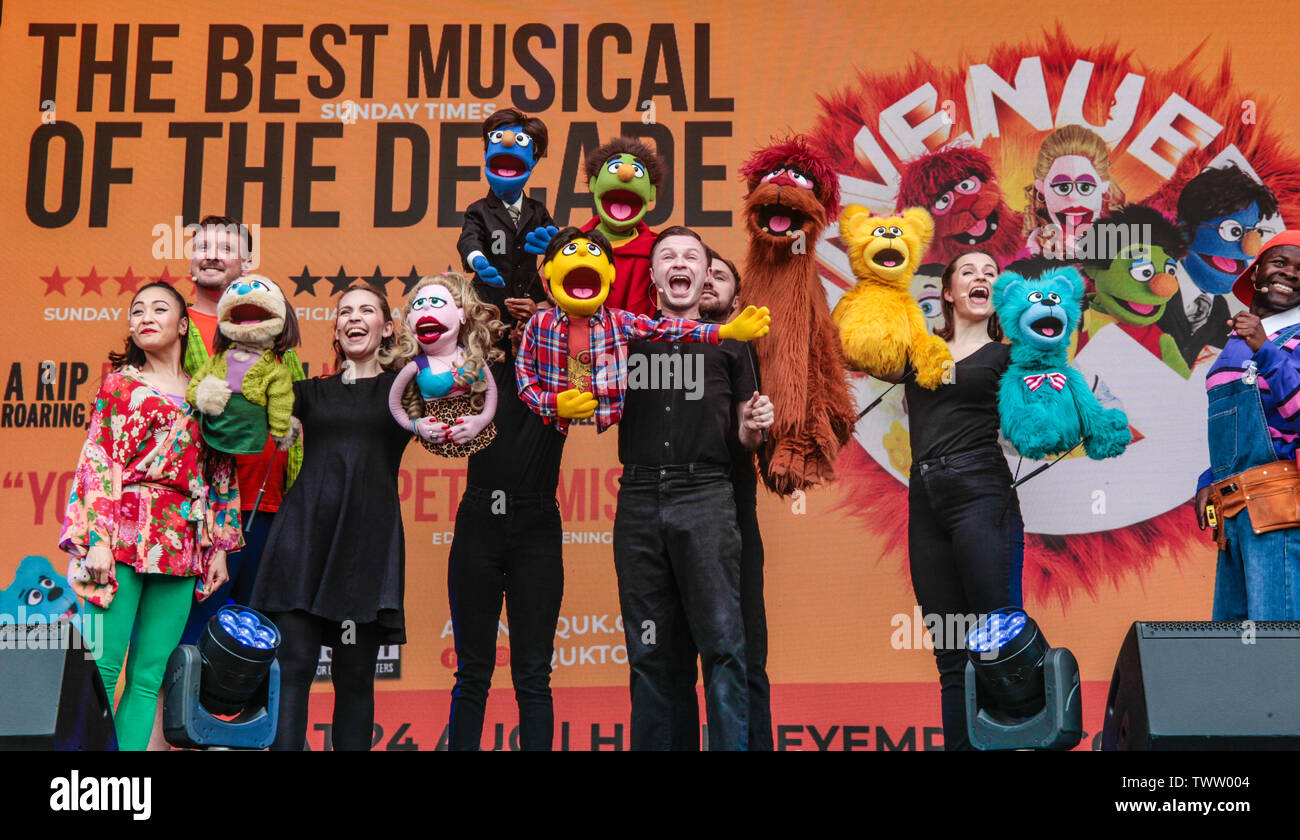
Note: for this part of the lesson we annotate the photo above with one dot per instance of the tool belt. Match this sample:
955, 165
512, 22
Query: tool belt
1271, 492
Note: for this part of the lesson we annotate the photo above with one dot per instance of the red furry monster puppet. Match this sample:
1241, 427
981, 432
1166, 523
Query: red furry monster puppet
792, 193
958, 187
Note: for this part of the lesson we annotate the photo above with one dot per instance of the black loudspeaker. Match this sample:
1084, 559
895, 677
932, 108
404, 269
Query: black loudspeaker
1205, 685
51, 695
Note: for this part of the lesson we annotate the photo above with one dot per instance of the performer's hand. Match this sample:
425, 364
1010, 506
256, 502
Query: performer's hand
521, 308
487, 272
1249, 328
1202, 499
536, 240
516, 337
430, 429
465, 429
753, 323
285, 443
216, 578
574, 404
100, 564
758, 414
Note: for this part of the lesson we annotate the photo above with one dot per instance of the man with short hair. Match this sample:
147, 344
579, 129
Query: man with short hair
676, 542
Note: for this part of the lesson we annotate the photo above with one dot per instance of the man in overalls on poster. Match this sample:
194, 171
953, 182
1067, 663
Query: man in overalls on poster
1249, 495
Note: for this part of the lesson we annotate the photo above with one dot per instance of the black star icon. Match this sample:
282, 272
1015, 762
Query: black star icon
305, 282
409, 281
340, 282
379, 281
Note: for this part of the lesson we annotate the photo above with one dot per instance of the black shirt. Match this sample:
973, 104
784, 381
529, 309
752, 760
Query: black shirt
680, 405
744, 477
487, 220
962, 415
525, 456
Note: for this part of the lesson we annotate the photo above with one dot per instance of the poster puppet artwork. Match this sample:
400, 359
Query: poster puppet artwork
445, 394
793, 193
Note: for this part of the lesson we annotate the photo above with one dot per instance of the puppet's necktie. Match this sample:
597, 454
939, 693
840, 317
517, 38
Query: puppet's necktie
1035, 381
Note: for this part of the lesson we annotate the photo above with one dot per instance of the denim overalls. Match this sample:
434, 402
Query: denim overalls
1258, 575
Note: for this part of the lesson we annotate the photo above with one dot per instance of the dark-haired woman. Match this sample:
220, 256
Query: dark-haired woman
149, 512
965, 535
333, 569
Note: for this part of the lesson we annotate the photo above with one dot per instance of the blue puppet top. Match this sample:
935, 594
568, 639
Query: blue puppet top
509, 156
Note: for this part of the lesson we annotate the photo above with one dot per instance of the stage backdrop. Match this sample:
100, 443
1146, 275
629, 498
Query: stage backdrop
350, 141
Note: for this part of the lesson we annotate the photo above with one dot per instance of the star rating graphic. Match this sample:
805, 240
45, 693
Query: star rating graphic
128, 282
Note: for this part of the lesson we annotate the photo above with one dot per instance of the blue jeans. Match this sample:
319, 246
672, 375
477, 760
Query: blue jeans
677, 555
1258, 575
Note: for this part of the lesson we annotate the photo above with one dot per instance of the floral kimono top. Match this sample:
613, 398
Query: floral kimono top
140, 487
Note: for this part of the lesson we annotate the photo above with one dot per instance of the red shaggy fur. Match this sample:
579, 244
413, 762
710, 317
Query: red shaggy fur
925, 179
801, 368
796, 151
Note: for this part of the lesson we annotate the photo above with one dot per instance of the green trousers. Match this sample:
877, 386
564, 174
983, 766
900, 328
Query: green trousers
148, 615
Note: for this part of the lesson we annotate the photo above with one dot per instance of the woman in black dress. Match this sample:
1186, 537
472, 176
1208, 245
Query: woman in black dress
333, 569
965, 536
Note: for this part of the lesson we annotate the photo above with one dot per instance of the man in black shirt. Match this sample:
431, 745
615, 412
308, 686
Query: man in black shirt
676, 543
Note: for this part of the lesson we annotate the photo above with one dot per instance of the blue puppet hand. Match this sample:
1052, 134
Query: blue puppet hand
486, 271
538, 238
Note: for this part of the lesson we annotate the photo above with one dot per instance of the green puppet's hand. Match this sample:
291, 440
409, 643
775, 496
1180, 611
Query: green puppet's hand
1172, 356
754, 322
574, 404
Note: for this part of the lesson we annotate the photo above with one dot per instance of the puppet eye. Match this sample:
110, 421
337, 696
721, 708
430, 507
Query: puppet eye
1063, 188
638, 170
800, 179
1035, 297
1231, 230
34, 597
880, 231
522, 139
594, 249
1142, 272
929, 305
495, 136
437, 302
1053, 297
613, 165
46, 583
970, 185
570, 249
769, 176
1171, 266
945, 201
1085, 188
896, 230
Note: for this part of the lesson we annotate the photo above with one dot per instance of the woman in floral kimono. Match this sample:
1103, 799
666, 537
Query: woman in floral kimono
150, 511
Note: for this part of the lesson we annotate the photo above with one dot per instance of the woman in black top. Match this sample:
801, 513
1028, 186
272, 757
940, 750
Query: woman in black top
965, 535
333, 569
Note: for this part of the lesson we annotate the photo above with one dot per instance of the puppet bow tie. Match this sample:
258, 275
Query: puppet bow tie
1035, 381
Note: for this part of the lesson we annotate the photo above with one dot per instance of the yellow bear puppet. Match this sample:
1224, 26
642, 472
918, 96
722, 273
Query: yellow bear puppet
881, 326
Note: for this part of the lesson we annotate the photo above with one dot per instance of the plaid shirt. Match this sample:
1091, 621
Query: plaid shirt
542, 364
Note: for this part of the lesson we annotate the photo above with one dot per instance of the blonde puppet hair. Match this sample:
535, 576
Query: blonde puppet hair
1069, 140
478, 336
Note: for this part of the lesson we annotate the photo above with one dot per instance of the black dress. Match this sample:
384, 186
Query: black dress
336, 549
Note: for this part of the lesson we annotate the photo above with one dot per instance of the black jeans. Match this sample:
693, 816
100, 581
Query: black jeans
507, 546
686, 725
965, 541
677, 555
352, 667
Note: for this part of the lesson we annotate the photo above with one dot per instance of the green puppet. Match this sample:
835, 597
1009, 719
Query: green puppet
1135, 282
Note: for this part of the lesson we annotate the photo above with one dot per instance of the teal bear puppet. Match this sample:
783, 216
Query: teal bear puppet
1046, 406
37, 590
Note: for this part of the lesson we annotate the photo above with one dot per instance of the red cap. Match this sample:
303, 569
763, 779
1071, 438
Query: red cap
1244, 286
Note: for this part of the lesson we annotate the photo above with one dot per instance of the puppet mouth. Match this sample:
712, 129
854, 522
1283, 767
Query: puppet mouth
1144, 310
248, 313
428, 330
1076, 217
621, 205
507, 166
779, 219
981, 231
1225, 264
581, 283
888, 258
1049, 326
